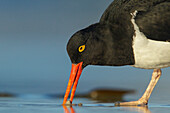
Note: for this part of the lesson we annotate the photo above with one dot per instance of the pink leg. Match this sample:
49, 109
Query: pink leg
144, 99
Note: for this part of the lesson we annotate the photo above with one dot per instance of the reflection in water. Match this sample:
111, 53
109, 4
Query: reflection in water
139, 109
68, 109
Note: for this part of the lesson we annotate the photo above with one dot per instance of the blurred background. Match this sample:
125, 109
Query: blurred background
33, 56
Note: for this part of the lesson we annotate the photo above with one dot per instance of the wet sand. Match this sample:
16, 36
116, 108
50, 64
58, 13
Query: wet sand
45, 104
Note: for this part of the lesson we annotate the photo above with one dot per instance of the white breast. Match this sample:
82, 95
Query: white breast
148, 53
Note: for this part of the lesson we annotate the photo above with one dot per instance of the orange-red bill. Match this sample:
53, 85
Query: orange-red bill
73, 81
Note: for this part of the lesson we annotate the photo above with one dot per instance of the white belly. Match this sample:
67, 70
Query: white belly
148, 53
151, 54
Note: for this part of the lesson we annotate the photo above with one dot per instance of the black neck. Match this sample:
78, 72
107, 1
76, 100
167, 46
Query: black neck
116, 46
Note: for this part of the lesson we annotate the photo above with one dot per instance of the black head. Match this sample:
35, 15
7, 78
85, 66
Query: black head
87, 45
100, 44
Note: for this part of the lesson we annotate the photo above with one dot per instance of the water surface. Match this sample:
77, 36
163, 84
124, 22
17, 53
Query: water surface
45, 104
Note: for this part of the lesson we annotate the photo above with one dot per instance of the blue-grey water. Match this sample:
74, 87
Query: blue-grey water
34, 62
47, 105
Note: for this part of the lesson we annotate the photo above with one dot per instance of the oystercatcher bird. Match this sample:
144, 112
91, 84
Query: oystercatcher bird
130, 32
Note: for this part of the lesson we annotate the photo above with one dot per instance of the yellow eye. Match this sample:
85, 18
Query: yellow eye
81, 48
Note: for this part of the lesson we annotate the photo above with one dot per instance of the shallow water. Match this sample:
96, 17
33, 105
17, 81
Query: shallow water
45, 104
37, 63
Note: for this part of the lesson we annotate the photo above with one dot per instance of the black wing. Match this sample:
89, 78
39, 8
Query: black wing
153, 17
155, 23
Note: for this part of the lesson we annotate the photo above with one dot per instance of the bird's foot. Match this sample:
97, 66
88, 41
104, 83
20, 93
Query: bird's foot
140, 102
